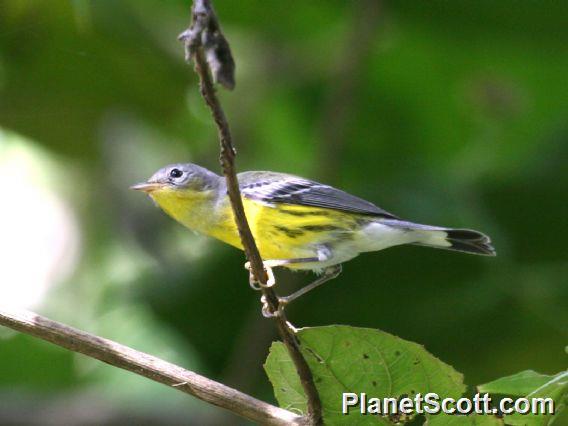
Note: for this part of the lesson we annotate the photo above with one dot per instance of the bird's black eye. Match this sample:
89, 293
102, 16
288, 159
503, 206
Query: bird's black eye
176, 173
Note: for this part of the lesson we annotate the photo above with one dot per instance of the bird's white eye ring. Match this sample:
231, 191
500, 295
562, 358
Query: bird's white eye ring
176, 173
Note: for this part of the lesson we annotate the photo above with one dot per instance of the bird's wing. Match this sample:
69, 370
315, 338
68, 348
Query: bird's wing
271, 187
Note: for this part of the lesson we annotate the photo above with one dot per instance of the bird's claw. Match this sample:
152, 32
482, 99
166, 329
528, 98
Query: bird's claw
267, 312
254, 283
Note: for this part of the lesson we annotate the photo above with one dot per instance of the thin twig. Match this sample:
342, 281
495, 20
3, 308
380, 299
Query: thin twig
203, 17
147, 366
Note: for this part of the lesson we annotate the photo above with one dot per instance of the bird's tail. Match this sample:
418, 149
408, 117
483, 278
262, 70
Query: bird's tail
465, 240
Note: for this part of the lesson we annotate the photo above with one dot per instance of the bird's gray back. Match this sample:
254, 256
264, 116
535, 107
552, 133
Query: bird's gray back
273, 187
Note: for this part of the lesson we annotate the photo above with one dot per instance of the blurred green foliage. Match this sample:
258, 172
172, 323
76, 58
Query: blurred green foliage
449, 113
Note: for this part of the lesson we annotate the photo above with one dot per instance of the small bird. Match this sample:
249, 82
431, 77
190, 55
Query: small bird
297, 223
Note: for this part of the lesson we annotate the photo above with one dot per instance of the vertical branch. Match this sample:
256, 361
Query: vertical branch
206, 45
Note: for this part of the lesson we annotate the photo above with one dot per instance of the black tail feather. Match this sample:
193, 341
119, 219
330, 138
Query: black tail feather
464, 240
469, 241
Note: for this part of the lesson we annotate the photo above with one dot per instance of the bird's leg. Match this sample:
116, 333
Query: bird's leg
323, 254
273, 263
256, 285
268, 265
329, 273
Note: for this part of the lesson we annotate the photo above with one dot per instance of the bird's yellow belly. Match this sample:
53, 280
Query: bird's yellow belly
285, 231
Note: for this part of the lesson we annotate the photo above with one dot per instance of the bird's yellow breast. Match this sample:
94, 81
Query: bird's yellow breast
288, 231
282, 231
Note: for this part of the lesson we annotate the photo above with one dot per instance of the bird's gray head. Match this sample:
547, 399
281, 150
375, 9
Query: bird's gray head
180, 176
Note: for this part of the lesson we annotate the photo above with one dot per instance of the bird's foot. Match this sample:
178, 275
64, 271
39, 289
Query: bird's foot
268, 265
267, 312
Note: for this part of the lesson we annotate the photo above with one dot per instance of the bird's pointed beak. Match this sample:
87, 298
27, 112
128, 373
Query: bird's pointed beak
146, 186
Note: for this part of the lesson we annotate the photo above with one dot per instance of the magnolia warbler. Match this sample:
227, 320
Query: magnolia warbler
297, 223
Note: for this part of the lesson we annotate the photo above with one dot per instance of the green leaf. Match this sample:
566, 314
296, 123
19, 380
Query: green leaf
530, 384
519, 384
471, 420
284, 379
359, 360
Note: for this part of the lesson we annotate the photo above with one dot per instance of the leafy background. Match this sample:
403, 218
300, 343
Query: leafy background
450, 113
